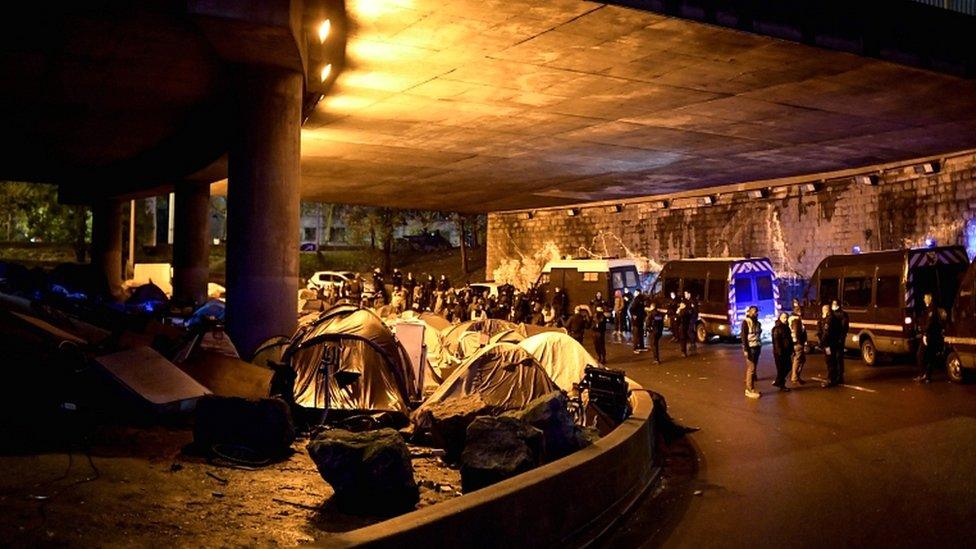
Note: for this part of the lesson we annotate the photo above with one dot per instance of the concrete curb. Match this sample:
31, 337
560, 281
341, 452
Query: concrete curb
564, 502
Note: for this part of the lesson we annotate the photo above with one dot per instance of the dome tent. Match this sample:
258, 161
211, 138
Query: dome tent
563, 358
368, 368
506, 377
451, 337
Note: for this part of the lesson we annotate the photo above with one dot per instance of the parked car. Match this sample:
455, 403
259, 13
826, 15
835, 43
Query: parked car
961, 333
724, 287
320, 279
583, 278
882, 294
485, 289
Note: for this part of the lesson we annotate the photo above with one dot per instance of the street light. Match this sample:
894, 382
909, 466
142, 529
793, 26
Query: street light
323, 30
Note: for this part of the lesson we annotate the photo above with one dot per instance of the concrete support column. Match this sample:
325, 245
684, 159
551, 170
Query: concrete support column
107, 242
191, 243
263, 207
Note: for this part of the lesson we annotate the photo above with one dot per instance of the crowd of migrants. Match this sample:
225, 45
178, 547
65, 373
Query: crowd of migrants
634, 317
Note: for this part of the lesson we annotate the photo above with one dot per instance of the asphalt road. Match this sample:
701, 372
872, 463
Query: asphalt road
880, 462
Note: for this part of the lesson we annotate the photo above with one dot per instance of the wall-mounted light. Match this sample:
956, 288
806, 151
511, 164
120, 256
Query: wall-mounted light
928, 168
323, 30
616, 208
325, 72
870, 180
708, 200
812, 187
528, 215
573, 212
664, 204
759, 193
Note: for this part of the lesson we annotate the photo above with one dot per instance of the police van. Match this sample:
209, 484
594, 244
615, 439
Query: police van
960, 337
882, 294
583, 278
724, 287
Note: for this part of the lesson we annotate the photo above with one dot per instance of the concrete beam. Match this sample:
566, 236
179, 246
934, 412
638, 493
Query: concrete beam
263, 207
191, 243
107, 242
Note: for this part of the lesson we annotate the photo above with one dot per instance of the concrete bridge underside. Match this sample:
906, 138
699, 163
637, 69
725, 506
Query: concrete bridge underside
457, 105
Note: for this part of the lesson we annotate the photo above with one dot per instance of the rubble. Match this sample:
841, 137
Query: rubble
370, 472
498, 448
264, 426
550, 415
449, 420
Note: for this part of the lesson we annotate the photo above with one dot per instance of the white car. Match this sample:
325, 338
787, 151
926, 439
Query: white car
485, 289
338, 279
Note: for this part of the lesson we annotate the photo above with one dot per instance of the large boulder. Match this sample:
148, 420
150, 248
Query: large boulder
370, 472
264, 426
449, 419
498, 448
550, 414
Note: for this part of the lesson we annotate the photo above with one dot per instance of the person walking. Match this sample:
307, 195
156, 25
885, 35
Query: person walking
655, 324
828, 330
691, 322
576, 325
637, 321
751, 335
680, 326
931, 326
843, 326
599, 327
798, 333
782, 351
618, 315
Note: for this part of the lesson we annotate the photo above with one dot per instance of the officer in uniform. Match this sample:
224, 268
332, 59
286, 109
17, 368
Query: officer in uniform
932, 328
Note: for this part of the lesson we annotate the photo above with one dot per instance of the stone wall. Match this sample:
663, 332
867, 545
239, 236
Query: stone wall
794, 228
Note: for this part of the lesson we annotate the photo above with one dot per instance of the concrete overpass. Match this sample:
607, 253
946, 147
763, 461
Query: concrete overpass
456, 105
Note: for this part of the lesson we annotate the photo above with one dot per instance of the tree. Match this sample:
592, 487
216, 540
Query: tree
380, 224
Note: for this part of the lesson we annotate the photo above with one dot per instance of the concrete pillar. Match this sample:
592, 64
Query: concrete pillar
263, 207
107, 242
191, 243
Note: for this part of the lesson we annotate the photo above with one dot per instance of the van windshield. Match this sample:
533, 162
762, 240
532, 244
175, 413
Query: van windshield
764, 288
743, 289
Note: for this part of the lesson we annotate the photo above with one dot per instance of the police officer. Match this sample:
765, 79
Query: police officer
798, 333
637, 314
932, 328
655, 325
600, 335
751, 335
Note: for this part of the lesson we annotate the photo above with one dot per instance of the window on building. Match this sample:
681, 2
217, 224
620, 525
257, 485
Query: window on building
828, 289
764, 288
887, 291
718, 291
857, 292
743, 289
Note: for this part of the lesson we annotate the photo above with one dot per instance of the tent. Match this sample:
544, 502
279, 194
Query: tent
270, 351
147, 298
506, 377
437, 321
508, 336
438, 364
212, 309
532, 329
368, 369
563, 358
451, 338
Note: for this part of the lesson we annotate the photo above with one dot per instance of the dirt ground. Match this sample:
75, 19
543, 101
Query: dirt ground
143, 491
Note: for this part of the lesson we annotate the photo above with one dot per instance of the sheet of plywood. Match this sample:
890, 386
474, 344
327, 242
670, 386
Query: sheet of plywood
155, 379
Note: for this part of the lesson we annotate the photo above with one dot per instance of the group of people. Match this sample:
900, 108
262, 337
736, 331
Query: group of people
790, 344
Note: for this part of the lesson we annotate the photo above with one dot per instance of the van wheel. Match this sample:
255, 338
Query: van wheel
868, 353
954, 369
700, 333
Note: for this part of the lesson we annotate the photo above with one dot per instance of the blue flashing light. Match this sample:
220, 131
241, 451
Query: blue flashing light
930, 242
856, 250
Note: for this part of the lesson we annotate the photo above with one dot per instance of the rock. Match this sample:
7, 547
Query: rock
586, 436
448, 422
498, 448
264, 426
370, 472
550, 415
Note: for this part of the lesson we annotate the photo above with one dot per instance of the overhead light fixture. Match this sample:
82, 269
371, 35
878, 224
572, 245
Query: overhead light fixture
870, 180
323, 30
812, 187
616, 208
572, 212
928, 168
326, 71
665, 204
760, 193
528, 215
708, 199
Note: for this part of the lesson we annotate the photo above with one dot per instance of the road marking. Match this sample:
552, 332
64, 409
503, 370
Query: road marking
855, 387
